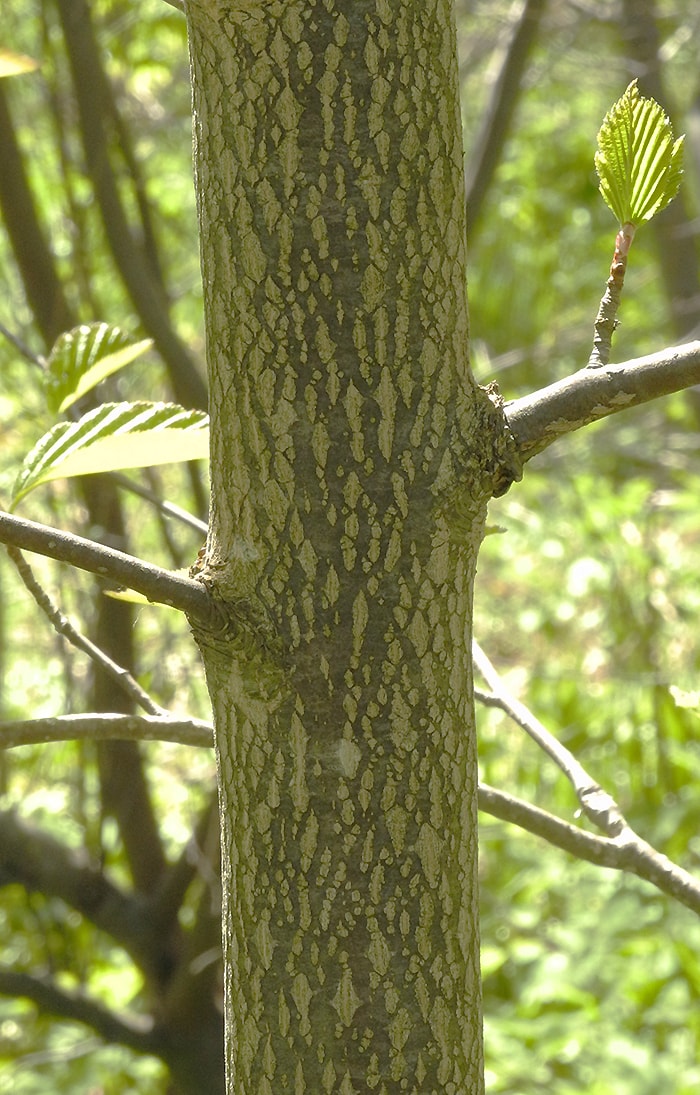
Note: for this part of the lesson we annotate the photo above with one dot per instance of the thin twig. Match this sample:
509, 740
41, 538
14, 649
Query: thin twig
16, 341
634, 853
157, 585
636, 857
595, 802
168, 509
64, 627
606, 320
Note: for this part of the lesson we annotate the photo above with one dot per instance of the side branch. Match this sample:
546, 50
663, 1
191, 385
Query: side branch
538, 419
598, 806
156, 584
620, 853
626, 850
633, 856
105, 726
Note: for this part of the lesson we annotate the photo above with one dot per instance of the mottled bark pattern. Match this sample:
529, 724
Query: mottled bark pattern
345, 425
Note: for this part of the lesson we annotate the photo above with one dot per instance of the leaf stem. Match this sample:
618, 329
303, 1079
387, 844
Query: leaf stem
606, 320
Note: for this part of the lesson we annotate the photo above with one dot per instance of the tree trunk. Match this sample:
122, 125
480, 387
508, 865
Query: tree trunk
352, 457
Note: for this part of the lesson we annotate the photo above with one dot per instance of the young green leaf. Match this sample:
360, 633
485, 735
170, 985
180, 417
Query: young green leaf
112, 437
81, 358
130, 596
638, 162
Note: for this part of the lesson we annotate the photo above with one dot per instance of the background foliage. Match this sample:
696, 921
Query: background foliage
589, 599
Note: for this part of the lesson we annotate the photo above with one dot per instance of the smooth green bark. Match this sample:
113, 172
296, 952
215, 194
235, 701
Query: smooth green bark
352, 457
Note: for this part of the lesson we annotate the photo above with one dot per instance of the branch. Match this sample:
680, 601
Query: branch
157, 585
168, 509
89, 82
631, 852
596, 803
600, 850
538, 419
52, 1000
493, 131
64, 627
35, 859
34, 258
636, 857
105, 727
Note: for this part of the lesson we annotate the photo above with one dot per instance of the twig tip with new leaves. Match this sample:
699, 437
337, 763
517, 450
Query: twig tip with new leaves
639, 166
638, 162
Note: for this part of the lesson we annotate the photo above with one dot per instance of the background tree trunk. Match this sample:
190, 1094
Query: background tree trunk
345, 425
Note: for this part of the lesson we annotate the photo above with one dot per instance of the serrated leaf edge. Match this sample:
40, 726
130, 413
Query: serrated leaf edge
66, 438
634, 138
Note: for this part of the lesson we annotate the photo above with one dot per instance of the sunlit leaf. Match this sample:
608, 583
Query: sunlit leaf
130, 596
112, 437
14, 64
81, 358
638, 162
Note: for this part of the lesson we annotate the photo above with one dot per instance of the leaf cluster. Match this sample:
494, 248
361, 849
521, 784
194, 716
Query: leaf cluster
111, 436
